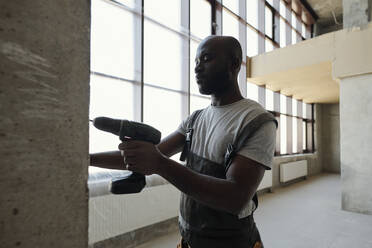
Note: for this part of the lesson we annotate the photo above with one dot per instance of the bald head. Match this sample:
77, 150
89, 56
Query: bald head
218, 61
226, 44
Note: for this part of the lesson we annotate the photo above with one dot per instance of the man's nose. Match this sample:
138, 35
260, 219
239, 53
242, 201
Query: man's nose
198, 67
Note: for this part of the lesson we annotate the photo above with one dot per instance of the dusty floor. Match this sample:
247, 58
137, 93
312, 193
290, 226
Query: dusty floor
303, 215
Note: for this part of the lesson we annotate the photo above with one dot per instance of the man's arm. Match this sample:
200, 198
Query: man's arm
230, 194
169, 146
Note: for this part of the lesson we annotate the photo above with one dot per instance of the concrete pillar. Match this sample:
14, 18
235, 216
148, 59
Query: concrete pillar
356, 142
44, 99
356, 12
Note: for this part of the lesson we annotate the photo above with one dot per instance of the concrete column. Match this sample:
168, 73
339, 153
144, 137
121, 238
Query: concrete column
44, 99
356, 142
356, 12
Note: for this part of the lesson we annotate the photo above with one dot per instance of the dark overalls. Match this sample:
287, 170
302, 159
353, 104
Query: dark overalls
205, 227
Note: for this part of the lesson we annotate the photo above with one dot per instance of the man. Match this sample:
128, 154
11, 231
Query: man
228, 146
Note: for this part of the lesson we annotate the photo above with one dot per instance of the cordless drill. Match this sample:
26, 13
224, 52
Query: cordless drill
125, 129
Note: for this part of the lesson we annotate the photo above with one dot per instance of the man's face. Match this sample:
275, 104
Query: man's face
212, 67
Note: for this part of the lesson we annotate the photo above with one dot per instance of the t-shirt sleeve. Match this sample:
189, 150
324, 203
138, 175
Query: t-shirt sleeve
261, 146
182, 128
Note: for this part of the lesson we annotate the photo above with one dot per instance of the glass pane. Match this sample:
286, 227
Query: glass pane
303, 30
283, 37
112, 40
283, 134
283, 104
294, 107
268, 45
299, 38
194, 89
252, 12
294, 134
230, 25
293, 21
271, 2
111, 98
167, 12
294, 37
128, 3
198, 103
308, 111
252, 42
283, 9
304, 135
304, 110
159, 113
269, 100
200, 18
309, 138
268, 22
252, 91
232, 5
162, 57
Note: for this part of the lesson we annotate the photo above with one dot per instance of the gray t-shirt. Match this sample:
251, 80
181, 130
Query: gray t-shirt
217, 126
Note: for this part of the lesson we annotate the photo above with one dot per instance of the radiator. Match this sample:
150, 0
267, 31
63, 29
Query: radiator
267, 180
293, 170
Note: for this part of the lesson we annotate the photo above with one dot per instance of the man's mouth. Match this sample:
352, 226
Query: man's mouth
199, 77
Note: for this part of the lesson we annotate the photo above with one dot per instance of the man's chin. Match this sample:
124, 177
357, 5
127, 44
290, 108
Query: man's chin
204, 91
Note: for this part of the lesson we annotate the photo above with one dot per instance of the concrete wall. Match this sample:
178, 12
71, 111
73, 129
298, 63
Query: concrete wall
356, 143
330, 137
356, 12
44, 98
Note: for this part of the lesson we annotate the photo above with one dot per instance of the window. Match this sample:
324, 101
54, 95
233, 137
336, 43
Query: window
269, 46
294, 37
133, 78
268, 22
269, 100
283, 38
230, 24
112, 39
252, 42
252, 12
200, 18
112, 98
303, 30
252, 91
162, 68
283, 8
156, 10
232, 5
157, 109
283, 134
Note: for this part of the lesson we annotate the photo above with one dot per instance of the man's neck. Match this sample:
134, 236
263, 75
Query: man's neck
229, 96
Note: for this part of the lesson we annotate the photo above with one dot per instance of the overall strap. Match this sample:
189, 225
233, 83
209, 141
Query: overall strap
189, 133
244, 135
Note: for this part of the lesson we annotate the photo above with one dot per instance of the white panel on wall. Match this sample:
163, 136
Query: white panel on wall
113, 215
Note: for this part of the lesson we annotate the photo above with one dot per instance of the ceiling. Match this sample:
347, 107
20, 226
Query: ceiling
312, 84
328, 11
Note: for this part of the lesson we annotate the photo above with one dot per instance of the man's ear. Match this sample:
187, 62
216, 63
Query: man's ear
236, 63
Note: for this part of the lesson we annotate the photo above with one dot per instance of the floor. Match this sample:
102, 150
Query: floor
303, 215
